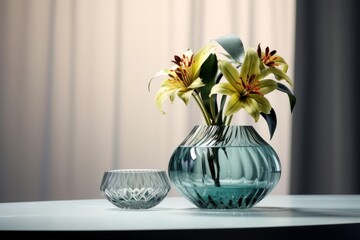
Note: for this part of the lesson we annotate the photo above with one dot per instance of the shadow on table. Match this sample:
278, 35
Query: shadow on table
275, 212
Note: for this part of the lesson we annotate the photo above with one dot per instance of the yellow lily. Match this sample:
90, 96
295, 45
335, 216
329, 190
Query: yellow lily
183, 78
271, 62
245, 88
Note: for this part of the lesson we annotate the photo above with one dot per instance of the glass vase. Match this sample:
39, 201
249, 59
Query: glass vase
224, 167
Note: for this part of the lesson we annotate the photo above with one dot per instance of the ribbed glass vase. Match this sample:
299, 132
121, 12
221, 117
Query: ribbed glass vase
224, 167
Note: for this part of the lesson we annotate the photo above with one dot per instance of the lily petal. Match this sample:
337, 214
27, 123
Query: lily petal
278, 60
252, 107
185, 95
163, 72
279, 75
263, 105
223, 88
231, 74
267, 85
197, 83
234, 105
162, 95
200, 57
251, 65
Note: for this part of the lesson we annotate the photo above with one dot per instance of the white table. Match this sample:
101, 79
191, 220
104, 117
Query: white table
280, 216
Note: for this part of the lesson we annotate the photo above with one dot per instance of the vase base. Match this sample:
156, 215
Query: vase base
212, 197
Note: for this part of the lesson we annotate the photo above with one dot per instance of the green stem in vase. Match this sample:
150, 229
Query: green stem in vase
203, 110
213, 161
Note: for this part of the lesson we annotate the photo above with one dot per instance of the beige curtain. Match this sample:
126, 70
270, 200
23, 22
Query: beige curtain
73, 86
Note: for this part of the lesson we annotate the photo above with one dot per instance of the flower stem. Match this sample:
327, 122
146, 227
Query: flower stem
228, 120
203, 110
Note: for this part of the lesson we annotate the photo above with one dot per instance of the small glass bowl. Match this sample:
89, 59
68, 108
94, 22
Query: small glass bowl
135, 188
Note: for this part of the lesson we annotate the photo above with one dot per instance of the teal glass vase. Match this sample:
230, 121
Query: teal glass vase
224, 167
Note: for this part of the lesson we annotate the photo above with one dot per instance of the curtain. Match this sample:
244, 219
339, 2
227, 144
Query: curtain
325, 152
74, 100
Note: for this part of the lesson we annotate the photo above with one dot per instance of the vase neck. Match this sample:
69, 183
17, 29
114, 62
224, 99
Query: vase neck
221, 136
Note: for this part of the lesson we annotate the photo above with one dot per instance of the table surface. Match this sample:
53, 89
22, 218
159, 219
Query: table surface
175, 213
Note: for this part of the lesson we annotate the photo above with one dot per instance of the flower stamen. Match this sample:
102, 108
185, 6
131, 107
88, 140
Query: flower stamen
268, 58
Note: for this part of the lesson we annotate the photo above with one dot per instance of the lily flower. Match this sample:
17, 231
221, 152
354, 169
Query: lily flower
245, 75
183, 78
245, 88
271, 62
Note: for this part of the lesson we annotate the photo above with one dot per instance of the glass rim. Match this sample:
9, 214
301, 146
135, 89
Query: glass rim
136, 170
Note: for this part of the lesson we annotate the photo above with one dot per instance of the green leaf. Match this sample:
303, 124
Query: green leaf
271, 121
233, 45
281, 87
208, 73
209, 70
219, 120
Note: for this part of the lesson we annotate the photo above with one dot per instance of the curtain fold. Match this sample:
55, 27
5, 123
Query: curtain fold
325, 156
